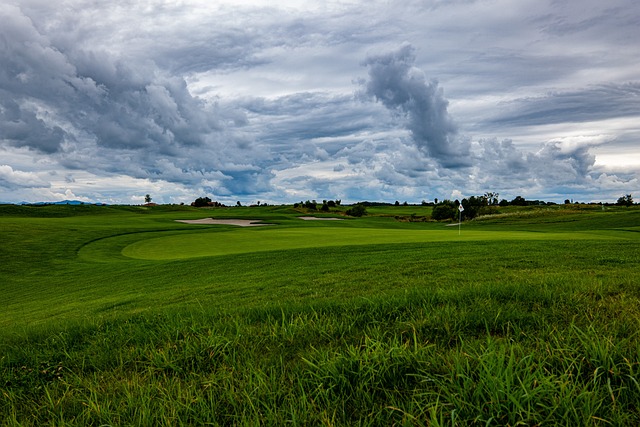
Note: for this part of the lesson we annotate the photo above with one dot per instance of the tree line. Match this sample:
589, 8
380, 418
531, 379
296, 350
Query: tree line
472, 206
487, 204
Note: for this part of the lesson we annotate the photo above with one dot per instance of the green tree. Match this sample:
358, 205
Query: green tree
444, 210
147, 198
201, 202
491, 197
472, 206
519, 201
625, 200
357, 210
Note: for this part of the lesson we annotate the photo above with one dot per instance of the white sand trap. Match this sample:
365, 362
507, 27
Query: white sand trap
211, 221
313, 218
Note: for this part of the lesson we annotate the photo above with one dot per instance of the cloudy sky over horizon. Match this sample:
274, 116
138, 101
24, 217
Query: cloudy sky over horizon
256, 101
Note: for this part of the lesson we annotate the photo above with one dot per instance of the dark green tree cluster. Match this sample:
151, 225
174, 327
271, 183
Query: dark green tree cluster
327, 204
310, 205
202, 202
487, 204
357, 210
473, 206
444, 210
313, 205
521, 201
625, 200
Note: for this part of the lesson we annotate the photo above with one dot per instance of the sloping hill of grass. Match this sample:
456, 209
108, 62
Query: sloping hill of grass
527, 318
563, 218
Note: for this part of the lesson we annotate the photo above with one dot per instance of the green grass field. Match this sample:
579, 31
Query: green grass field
119, 315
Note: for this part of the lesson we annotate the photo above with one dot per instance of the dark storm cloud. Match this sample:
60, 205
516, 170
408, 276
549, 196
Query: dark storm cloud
22, 127
615, 21
525, 69
294, 125
27, 64
559, 165
554, 163
132, 115
394, 81
595, 103
502, 158
229, 50
121, 106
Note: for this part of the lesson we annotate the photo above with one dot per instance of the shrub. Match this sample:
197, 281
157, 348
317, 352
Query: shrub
444, 210
201, 201
357, 210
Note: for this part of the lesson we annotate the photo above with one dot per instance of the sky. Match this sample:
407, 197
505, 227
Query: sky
288, 101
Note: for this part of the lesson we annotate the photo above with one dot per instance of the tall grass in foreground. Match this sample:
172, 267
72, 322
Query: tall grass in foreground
422, 359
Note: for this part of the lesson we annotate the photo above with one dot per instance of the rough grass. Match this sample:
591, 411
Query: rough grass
446, 332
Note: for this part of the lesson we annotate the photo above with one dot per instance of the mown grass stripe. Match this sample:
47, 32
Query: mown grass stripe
181, 246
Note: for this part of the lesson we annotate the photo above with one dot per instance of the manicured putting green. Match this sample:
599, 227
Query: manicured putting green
202, 244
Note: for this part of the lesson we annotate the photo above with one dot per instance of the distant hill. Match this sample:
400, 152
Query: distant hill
63, 202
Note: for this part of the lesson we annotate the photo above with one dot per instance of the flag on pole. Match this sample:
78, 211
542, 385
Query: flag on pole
460, 208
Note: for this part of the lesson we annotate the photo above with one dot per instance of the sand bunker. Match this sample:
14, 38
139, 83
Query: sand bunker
211, 221
313, 218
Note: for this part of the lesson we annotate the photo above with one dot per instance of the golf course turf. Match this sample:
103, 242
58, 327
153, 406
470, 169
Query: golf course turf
121, 315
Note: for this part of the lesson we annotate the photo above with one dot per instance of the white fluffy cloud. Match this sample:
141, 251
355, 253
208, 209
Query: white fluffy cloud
16, 179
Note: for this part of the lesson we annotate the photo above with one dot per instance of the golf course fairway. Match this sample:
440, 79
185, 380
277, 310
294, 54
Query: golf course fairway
241, 240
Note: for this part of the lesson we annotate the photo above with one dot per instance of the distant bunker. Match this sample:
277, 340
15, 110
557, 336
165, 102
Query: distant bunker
246, 222
313, 218
238, 222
